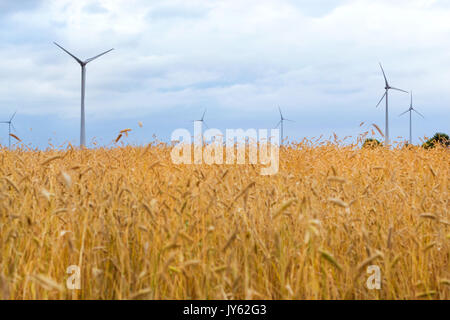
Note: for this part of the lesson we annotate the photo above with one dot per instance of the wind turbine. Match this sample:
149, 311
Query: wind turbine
9, 129
202, 119
386, 94
410, 110
198, 129
83, 88
282, 122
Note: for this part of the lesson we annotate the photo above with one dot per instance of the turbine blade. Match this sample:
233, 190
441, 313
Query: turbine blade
411, 98
398, 89
418, 113
98, 56
78, 60
203, 122
203, 116
289, 120
281, 115
384, 75
384, 95
12, 117
404, 112
14, 128
278, 124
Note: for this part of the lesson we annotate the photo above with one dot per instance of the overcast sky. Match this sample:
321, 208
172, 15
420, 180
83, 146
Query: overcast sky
317, 59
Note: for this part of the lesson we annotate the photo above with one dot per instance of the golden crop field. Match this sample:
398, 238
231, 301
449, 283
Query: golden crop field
140, 227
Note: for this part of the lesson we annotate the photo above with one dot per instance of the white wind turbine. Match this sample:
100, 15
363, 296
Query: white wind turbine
386, 94
282, 124
410, 110
202, 122
83, 88
10, 125
202, 119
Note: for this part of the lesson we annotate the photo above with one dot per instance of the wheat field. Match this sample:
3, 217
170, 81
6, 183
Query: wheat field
140, 227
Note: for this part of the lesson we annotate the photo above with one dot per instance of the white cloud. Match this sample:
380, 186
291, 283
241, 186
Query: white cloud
233, 56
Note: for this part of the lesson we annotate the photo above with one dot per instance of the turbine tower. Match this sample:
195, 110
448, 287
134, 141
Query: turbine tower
386, 94
410, 110
282, 119
9, 129
83, 89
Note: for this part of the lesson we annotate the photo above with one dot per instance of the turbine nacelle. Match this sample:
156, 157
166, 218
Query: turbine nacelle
282, 118
83, 62
388, 87
386, 82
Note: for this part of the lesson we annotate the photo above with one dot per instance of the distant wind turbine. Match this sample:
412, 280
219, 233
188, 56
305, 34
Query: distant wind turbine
282, 119
202, 119
386, 94
410, 110
198, 135
83, 88
10, 125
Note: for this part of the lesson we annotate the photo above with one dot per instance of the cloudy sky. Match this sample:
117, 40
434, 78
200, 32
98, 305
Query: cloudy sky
240, 59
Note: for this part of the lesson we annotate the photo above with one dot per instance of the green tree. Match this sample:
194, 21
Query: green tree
438, 138
371, 143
